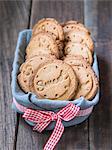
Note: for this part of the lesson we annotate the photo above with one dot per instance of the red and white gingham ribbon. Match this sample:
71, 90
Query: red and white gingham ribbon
44, 118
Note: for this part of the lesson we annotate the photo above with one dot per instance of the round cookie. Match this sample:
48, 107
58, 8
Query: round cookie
42, 43
88, 82
80, 37
28, 70
56, 81
78, 49
23, 84
74, 25
49, 25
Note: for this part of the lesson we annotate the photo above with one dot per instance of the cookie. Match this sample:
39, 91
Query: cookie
56, 81
88, 82
42, 43
28, 70
73, 25
49, 25
77, 36
78, 49
23, 84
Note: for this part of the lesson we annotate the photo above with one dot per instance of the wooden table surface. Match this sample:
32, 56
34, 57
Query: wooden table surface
96, 132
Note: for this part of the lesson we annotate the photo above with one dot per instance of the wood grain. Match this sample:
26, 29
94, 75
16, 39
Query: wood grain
61, 10
13, 18
98, 16
74, 137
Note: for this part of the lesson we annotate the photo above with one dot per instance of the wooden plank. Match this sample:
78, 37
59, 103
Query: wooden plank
61, 10
98, 16
13, 18
74, 137
29, 140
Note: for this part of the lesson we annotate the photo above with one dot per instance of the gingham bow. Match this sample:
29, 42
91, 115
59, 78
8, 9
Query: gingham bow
44, 118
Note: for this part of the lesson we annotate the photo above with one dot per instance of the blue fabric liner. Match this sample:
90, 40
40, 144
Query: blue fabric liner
30, 100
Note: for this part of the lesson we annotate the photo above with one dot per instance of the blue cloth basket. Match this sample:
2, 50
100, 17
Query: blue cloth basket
30, 100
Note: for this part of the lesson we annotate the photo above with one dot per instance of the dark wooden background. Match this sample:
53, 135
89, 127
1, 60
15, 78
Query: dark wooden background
96, 132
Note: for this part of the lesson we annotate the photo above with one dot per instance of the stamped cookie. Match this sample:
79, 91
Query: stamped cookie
49, 25
42, 43
77, 49
74, 25
28, 70
88, 82
80, 37
56, 81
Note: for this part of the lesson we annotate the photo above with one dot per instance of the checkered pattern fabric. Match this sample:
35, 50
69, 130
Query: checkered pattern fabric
44, 118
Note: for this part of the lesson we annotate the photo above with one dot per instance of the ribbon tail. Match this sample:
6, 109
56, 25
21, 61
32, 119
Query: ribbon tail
55, 136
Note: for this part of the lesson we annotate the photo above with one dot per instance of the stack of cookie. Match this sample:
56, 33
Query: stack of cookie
58, 62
